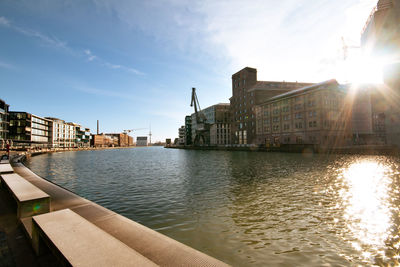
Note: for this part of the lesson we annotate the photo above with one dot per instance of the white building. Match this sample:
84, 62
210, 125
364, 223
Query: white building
141, 141
64, 133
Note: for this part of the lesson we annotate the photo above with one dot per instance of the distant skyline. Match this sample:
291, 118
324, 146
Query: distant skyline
130, 64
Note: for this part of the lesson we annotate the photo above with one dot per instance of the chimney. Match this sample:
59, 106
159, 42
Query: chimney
97, 127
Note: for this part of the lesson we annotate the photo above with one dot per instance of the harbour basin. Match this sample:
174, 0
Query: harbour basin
246, 208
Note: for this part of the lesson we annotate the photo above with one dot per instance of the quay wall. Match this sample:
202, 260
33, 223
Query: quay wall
155, 246
358, 150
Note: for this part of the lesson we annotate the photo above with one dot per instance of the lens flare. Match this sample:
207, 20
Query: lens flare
365, 195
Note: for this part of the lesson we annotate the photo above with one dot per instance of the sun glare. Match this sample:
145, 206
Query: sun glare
367, 209
364, 70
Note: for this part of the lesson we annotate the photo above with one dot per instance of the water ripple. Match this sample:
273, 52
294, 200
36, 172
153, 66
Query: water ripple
247, 208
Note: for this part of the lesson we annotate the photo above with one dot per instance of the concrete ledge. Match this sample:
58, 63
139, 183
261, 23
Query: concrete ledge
78, 242
30, 199
158, 248
6, 168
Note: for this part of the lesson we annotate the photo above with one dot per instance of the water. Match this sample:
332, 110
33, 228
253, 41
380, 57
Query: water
247, 208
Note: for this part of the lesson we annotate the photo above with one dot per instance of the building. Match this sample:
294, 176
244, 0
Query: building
123, 139
102, 140
188, 131
368, 115
82, 136
63, 134
381, 39
247, 92
181, 135
219, 119
29, 130
141, 141
3, 122
318, 115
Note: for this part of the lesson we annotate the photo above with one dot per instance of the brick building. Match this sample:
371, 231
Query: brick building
246, 93
381, 39
318, 114
123, 139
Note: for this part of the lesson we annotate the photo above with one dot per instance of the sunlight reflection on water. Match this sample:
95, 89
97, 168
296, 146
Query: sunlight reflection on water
247, 208
366, 190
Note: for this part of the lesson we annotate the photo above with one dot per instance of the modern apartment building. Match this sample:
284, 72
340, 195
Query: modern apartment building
247, 92
181, 135
318, 114
219, 118
188, 130
29, 130
3, 122
82, 135
64, 133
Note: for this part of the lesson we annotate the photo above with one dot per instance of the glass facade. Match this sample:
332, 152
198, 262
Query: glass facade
3, 121
26, 129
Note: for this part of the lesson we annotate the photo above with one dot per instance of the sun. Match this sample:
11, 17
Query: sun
364, 69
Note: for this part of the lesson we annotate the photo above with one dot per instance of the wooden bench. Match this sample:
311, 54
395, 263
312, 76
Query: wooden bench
30, 199
77, 242
6, 168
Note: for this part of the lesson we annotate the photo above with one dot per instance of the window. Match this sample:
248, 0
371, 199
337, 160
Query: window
298, 125
298, 115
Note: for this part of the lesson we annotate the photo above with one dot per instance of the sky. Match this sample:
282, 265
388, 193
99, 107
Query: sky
131, 64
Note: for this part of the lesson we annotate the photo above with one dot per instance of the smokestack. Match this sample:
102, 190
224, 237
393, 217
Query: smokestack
98, 127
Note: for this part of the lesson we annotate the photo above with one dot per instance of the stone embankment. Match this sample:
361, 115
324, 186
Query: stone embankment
359, 150
155, 247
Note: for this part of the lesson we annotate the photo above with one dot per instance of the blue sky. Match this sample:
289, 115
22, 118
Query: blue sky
133, 63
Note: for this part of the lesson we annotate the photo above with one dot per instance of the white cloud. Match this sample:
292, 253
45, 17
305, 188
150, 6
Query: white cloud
6, 66
287, 39
91, 57
45, 39
56, 43
4, 21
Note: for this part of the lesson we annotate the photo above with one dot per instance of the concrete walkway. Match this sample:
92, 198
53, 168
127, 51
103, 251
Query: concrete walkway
158, 248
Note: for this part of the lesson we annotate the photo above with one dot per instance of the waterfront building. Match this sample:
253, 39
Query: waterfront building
82, 136
247, 92
63, 134
181, 135
381, 39
101, 140
318, 115
122, 139
29, 130
369, 118
141, 141
219, 119
3, 122
188, 130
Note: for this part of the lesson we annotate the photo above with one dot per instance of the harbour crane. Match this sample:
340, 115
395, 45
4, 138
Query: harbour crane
346, 48
131, 130
202, 130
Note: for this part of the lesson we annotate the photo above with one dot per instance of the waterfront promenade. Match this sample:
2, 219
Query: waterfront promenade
156, 247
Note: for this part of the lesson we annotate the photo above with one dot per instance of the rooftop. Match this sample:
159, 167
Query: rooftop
273, 85
318, 86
